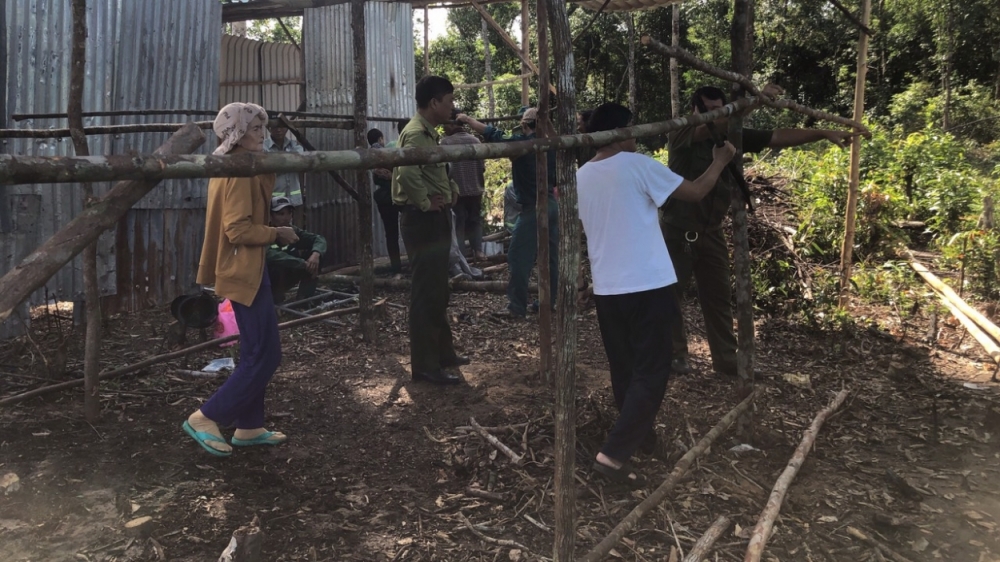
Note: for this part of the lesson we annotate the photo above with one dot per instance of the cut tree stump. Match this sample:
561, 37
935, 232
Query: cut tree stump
139, 527
245, 544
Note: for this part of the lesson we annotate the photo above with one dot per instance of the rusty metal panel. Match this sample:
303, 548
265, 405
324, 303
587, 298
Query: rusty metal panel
38, 41
268, 74
329, 72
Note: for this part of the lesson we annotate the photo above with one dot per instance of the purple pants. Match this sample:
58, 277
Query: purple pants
240, 400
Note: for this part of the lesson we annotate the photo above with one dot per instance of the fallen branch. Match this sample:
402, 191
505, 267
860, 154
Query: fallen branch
484, 494
701, 548
501, 542
862, 536
404, 283
514, 457
660, 494
496, 236
172, 355
765, 523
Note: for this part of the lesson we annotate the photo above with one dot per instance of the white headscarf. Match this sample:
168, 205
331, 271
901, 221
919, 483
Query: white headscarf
232, 123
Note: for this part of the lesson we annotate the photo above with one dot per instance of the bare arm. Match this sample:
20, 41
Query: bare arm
694, 191
473, 123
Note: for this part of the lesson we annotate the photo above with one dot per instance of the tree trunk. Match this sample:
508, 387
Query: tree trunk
489, 69
545, 299
525, 53
633, 84
156, 167
741, 36
675, 75
569, 271
39, 266
847, 250
92, 295
427, 52
367, 321
946, 71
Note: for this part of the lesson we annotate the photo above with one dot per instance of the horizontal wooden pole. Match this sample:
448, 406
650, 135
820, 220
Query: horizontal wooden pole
493, 82
15, 169
698, 64
156, 128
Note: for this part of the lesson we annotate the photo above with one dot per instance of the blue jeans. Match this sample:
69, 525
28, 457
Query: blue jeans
522, 253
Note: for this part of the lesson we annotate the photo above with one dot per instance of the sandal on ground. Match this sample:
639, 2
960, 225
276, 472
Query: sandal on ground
624, 475
266, 438
203, 437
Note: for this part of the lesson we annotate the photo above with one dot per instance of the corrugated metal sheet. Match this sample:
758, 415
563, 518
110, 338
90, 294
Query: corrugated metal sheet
140, 55
329, 72
268, 74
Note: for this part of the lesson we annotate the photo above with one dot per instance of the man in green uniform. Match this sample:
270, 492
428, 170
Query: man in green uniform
693, 231
427, 194
296, 263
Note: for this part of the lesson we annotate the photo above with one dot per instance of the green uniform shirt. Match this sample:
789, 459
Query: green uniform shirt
294, 256
414, 185
690, 160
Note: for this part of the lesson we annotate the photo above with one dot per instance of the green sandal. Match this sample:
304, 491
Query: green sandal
203, 438
266, 438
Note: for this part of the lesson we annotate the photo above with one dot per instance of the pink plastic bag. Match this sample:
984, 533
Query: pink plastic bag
226, 325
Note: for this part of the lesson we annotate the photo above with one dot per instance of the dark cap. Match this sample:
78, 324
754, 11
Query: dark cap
279, 203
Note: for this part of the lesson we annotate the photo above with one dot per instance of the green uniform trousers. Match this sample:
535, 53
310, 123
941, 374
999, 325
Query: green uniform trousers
707, 258
428, 240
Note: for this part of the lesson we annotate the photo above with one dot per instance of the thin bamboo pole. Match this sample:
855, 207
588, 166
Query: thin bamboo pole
92, 295
16, 169
542, 130
847, 250
11, 400
660, 494
762, 531
427, 29
675, 76
154, 128
564, 487
949, 294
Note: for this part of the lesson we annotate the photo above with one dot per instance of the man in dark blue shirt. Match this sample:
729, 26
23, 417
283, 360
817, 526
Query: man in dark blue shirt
524, 240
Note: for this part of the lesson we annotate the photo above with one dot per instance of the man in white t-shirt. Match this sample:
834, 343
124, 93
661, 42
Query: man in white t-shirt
619, 193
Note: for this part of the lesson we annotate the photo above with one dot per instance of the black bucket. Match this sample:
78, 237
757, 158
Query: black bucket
195, 311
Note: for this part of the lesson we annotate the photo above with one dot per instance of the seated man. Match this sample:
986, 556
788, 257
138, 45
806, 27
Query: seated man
296, 263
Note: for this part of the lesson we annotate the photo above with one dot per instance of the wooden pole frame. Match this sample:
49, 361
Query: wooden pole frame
542, 129
365, 223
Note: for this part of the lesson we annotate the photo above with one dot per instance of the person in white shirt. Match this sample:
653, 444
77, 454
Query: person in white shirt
619, 194
286, 185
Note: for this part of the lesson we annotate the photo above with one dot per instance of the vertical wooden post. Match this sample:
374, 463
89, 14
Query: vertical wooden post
633, 85
847, 250
364, 188
427, 55
489, 69
92, 296
675, 76
545, 298
741, 36
526, 51
569, 270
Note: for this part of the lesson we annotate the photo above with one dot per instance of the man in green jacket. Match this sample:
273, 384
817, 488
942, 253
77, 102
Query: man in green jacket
426, 194
693, 231
296, 263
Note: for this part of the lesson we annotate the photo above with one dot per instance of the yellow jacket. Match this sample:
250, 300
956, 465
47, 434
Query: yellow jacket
237, 236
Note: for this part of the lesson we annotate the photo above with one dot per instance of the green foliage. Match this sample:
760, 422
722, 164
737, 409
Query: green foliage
271, 31
497, 177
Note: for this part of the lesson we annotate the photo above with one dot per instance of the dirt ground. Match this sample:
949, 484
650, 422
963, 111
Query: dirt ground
378, 467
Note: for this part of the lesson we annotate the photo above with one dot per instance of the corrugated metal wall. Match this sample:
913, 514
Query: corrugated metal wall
268, 74
329, 72
140, 55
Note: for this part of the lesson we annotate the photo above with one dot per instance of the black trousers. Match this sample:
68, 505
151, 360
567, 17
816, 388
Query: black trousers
635, 328
390, 221
428, 242
469, 222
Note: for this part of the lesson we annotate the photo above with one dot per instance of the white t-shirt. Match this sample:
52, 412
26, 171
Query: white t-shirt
619, 198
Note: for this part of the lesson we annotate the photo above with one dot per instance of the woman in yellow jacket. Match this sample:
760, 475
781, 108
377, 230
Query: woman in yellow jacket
237, 236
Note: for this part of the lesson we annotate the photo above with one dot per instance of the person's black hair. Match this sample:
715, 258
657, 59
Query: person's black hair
608, 116
432, 87
373, 136
585, 115
709, 93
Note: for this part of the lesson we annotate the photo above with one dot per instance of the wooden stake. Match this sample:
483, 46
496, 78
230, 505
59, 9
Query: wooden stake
497, 444
765, 523
660, 494
427, 56
564, 487
701, 548
847, 249
542, 130
675, 76
366, 320
92, 295
523, 52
